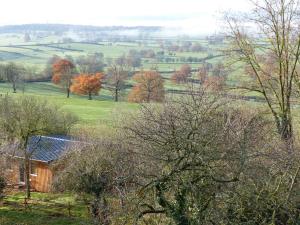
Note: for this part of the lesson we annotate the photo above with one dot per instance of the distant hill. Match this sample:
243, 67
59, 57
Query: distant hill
75, 28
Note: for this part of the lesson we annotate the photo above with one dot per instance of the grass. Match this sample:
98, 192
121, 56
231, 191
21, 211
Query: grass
35, 54
44, 209
101, 110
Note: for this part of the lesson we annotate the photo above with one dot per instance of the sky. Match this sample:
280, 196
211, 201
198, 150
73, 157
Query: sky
188, 15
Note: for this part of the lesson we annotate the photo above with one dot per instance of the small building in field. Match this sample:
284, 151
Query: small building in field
44, 150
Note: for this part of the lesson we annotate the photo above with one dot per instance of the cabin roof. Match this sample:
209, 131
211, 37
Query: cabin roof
49, 148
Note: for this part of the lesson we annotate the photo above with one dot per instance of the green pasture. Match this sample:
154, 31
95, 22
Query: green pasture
39, 50
46, 209
101, 110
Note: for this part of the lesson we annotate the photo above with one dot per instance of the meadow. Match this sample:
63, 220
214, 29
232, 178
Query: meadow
101, 109
90, 113
46, 209
39, 50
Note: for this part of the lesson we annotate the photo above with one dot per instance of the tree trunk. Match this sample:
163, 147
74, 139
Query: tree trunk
105, 212
14, 87
148, 96
68, 92
116, 95
100, 211
27, 176
90, 96
285, 130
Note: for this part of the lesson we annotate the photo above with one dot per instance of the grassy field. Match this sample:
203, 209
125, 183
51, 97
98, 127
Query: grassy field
39, 50
100, 110
43, 209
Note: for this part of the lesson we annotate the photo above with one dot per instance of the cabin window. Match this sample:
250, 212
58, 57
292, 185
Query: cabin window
33, 169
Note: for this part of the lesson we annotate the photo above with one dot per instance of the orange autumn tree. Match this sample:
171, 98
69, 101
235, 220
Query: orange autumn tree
149, 87
179, 77
63, 73
182, 75
186, 70
87, 84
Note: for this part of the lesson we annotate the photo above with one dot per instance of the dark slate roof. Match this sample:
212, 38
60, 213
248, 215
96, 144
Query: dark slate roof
48, 149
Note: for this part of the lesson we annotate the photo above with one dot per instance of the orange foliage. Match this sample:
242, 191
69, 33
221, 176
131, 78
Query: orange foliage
182, 75
63, 73
179, 77
56, 79
149, 87
186, 70
62, 66
87, 84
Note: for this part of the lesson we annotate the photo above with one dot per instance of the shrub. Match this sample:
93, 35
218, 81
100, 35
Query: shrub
2, 186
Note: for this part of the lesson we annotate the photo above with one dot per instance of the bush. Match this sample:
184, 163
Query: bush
2, 186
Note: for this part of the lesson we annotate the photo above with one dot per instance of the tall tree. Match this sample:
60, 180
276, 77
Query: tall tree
275, 38
115, 79
134, 59
149, 87
186, 70
91, 63
203, 73
182, 75
24, 117
87, 84
12, 73
63, 74
179, 77
48, 71
190, 154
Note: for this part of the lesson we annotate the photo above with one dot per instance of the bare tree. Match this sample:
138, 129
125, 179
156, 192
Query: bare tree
191, 151
13, 74
92, 63
115, 79
99, 168
268, 42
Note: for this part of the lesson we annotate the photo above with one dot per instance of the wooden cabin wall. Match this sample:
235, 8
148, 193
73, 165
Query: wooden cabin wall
42, 182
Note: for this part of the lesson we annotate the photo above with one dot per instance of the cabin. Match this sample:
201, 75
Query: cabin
44, 150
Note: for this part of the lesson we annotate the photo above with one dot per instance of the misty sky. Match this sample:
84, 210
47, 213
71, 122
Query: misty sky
191, 15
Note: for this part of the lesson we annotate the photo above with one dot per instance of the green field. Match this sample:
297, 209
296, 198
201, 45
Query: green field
39, 50
43, 209
100, 110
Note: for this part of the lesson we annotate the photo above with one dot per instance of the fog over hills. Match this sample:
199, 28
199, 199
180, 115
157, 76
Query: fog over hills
130, 31
75, 28
192, 17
